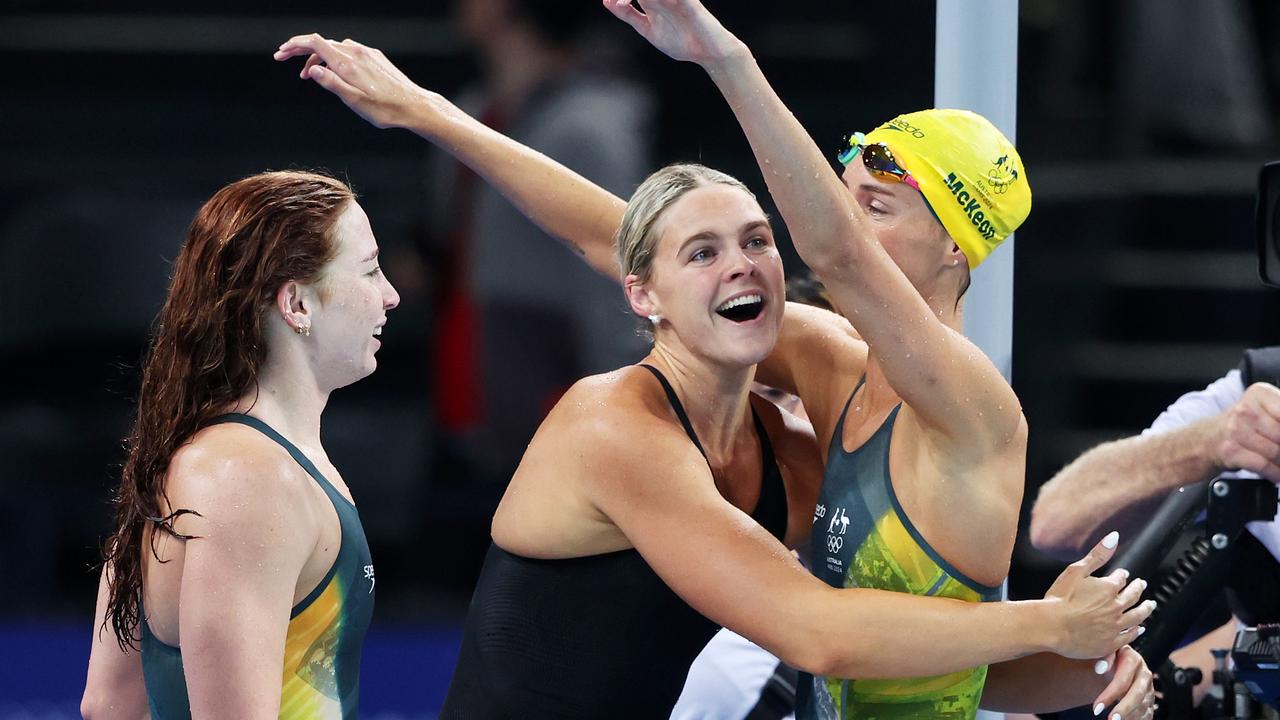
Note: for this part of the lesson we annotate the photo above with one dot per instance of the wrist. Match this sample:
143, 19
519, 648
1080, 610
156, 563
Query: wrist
734, 56
1038, 624
429, 115
1205, 443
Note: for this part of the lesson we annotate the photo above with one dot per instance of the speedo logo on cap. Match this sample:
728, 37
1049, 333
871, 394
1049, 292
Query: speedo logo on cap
972, 208
906, 127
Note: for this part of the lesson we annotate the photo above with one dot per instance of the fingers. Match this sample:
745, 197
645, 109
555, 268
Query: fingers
1133, 685
1244, 458
1132, 592
1099, 555
329, 80
623, 10
306, 67
1138, 615
311, 43
1125, 670
1250, 430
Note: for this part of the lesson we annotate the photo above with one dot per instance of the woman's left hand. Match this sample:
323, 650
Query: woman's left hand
683, 29
1130, 694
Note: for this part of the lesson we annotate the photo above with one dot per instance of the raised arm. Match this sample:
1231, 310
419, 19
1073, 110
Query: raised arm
113, 689
756, 588
1119, 483
952, 385
561, 202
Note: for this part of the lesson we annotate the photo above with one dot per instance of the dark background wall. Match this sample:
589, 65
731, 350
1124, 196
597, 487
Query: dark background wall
1135, 274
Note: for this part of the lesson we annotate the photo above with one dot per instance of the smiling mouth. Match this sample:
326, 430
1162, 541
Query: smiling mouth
741, 309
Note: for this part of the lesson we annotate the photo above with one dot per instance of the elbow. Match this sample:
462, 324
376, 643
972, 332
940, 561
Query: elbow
822, 653
104, 703
94, 705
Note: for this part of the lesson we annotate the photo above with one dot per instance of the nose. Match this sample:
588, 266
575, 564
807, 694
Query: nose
390, 298
740, 264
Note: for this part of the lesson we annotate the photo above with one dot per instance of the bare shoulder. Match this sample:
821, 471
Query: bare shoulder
616, 425
620, 403
234, 476
820, 356
815, 325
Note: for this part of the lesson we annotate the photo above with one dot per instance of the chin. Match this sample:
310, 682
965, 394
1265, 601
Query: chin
746, 351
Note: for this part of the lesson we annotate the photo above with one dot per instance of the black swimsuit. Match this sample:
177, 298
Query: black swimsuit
588, 637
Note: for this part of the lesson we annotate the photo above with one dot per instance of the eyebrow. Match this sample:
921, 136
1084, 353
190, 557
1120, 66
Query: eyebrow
371, 256
708, 235
876, 189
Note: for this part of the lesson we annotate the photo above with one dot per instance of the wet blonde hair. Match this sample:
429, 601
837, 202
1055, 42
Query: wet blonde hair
637, 236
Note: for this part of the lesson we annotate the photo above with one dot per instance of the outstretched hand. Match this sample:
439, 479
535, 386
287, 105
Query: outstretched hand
362, 77
683, 29
1096, 611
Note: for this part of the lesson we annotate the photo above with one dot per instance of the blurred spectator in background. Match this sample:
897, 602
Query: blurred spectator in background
516, 324
1233, 427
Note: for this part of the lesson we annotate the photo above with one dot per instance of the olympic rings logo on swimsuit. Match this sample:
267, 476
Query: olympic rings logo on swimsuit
834, 543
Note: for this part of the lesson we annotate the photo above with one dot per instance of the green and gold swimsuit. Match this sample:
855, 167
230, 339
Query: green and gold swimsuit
326, 630
863, 538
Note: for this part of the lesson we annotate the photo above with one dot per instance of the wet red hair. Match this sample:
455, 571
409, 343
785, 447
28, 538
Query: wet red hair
208, 344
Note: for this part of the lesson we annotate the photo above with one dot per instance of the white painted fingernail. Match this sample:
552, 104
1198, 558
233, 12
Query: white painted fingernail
1142, 629
1116, 716
1101, 666
1097, 709
1111, 539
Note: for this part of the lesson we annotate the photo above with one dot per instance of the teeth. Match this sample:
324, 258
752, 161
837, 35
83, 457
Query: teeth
744, 300
377, 331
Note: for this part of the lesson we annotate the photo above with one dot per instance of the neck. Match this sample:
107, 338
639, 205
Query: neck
288, 399
714, 396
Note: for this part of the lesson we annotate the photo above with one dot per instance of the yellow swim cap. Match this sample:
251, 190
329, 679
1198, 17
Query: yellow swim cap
969, 172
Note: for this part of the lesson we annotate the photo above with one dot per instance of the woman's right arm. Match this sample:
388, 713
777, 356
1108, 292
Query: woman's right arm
114, 689
563, 203
240, 571
731, 570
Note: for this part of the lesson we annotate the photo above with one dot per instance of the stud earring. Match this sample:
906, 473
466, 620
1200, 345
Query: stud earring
655, 318
303, 330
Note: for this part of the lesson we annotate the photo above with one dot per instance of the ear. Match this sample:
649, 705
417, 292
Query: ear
956, 256
640, 297
292, 306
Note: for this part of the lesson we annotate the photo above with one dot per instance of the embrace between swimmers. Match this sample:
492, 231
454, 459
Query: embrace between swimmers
657, 502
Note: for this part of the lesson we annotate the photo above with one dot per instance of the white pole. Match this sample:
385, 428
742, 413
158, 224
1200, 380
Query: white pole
976, 68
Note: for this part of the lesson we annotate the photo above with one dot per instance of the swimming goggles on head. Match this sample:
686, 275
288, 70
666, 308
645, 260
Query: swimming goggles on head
877, 157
